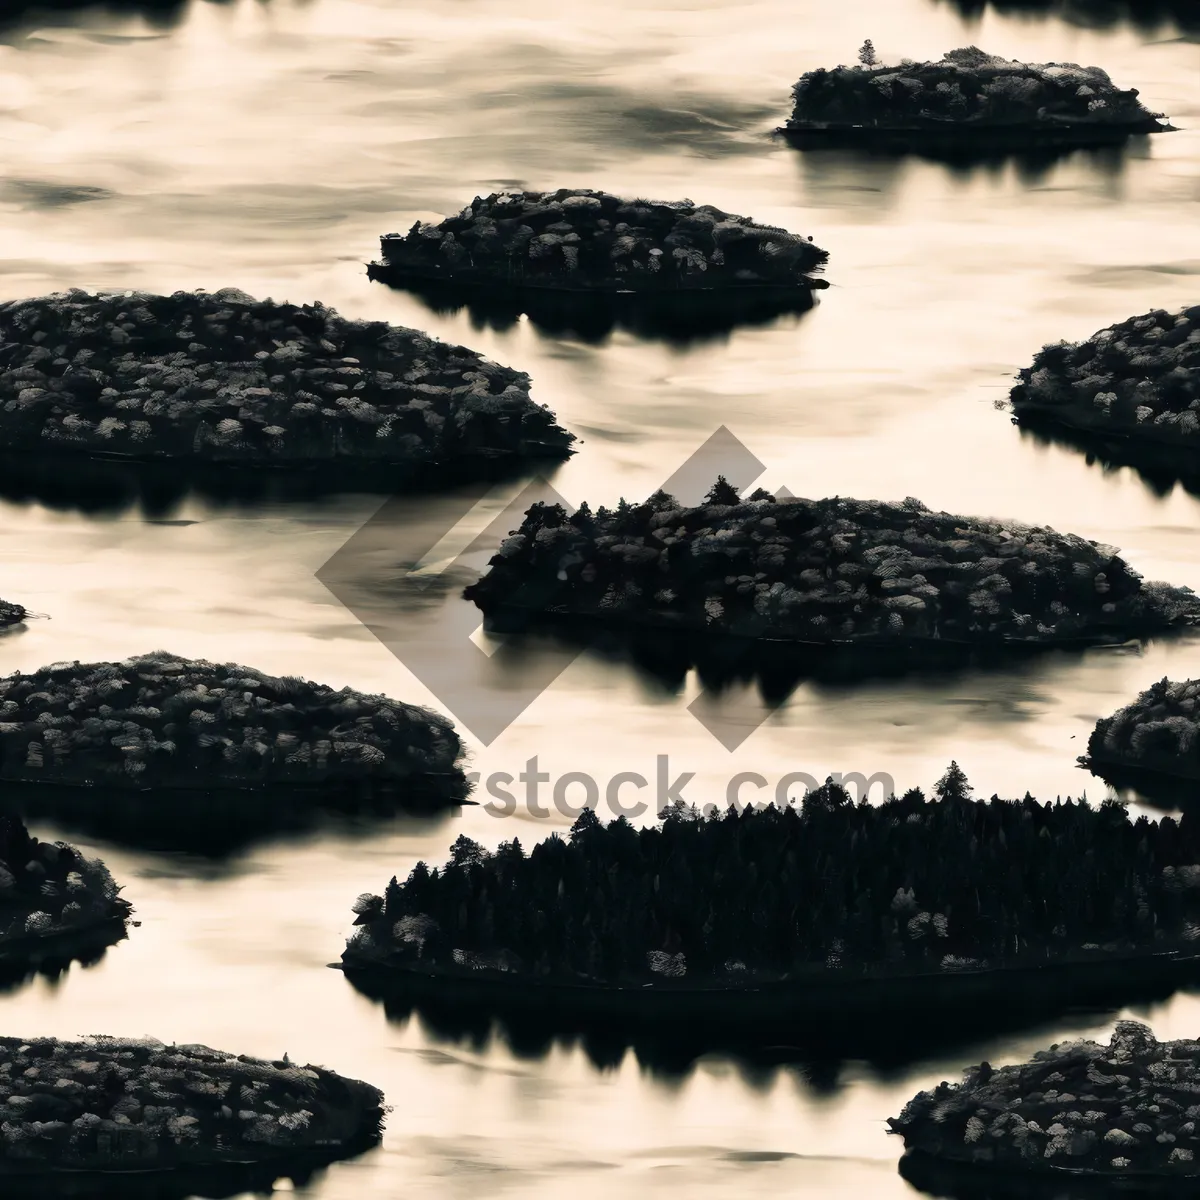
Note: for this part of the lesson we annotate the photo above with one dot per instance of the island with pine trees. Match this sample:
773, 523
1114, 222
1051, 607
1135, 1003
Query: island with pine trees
223, 381
170, 1120
1128, 1110
577, 239
820, 573
950, 911
968, 98
167, 746
55, 904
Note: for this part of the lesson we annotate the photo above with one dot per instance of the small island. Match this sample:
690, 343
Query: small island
143, 1109
54, 903
168, 744
11, 614
1152, 741
954, 911
821, 572
1128, 1109
576, 239
968, 98
226, 380
1137, 381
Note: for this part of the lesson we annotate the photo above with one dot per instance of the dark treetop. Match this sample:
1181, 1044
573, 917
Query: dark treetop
11, 614
107, 1104
1128, 1108
908, 886
822, 571
1139, 379
970, 89
224, 378
1157, 732
48, 890
583, 239
162, 721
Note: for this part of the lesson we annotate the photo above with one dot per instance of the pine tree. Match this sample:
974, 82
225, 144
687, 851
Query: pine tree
866, 54
953, 785
722, 492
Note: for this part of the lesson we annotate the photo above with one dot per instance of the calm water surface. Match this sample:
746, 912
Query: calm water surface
267, 145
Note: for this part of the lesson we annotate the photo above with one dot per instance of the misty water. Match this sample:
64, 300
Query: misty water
267, 145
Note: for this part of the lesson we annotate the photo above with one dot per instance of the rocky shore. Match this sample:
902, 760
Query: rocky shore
51, 896
226, 379
116, 1105
823, 572
1155, 735
1126, 1109
967, 96
1137, 380
576, 239
194, 751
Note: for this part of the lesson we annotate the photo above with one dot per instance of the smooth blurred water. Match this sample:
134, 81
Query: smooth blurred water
266, 146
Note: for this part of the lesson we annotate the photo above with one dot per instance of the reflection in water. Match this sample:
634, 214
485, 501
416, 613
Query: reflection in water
53, 961
680, 319
889, 1025
162, 13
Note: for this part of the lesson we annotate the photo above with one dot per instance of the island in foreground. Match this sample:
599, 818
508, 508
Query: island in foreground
1128, 1109
136, 1107
1138, 380
576, 239
54, 903
162, 744
958, 913
968, 98
226, 380
821, 572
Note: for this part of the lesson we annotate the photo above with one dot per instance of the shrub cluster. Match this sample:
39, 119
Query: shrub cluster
1139, 379
967, 87
1130, 1107
48, 889
822, 571
583, 239
1157, 732
225, 378
949, 884
107, 1104
159, 720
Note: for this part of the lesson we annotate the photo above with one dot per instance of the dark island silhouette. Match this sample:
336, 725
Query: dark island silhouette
1134, 387
1127, 1110
56, 906
11, 614
587, 262
223, 383
84, 1118
1150, 744
968, 100
1149, 15
802, 577
950, 915
190, 754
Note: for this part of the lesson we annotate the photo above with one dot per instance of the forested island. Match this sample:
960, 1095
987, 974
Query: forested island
167, 744
1138, 380
140, 1108
1153, 738
11, 614
53, 901
1128, 1109
837, 910
967, 97
577, 239
821, 572
222, 379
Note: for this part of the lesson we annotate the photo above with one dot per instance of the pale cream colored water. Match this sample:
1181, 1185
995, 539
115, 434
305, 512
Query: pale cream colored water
267, 146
